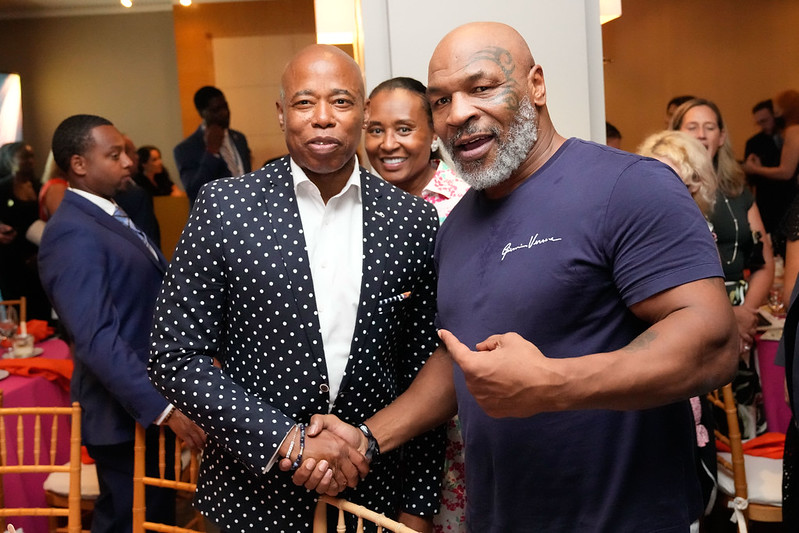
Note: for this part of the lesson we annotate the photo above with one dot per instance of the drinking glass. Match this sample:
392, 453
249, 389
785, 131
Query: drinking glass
9, 320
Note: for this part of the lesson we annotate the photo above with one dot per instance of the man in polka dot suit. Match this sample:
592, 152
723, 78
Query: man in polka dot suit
312, 282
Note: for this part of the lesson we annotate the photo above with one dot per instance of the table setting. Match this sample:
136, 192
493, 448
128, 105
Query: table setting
34, 373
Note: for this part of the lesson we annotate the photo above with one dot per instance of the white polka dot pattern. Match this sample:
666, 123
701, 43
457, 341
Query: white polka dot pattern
239, 289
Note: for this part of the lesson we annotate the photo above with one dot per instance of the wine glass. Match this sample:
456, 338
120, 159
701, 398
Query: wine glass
775, 303
9, 320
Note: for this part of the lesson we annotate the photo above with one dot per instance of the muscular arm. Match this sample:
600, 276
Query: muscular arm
690, 348
428, 402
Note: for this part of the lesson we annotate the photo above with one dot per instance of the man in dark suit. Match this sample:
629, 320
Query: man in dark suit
312, 281
102, 276
214, 150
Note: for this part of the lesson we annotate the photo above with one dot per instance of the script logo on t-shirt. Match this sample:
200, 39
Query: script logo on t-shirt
534, 241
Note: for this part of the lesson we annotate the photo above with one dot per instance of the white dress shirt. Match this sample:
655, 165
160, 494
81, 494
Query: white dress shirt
334, 240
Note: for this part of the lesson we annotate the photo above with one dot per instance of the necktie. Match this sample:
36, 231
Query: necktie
123, 217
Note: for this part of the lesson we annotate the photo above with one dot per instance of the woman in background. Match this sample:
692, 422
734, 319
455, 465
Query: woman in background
152, 176
401, 145
744, 248
786, 106
691, 161
54, 185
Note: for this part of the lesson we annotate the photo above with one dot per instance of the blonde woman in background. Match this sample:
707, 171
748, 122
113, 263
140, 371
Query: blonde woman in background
689, 159
691, 162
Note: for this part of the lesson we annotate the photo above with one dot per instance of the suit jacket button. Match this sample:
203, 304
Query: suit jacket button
324, 388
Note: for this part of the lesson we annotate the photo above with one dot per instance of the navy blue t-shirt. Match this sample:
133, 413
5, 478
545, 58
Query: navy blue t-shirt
559, 261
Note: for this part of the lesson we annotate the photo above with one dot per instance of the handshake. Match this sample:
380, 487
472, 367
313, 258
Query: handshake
327, 456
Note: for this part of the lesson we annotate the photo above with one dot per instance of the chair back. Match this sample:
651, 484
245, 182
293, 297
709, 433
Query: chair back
22, 309
736, 465
186, 470
344, 506
30, 459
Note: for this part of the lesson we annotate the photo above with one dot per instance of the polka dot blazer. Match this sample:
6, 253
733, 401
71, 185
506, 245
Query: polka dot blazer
239, 288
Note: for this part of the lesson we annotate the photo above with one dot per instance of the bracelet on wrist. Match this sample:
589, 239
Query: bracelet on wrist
169, 415
298, 461
372, 447
292, 434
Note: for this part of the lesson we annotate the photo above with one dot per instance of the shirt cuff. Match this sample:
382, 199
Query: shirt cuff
164, 414
274, 457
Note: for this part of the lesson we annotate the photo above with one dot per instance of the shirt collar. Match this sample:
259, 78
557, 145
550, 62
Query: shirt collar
301, 179
106, 205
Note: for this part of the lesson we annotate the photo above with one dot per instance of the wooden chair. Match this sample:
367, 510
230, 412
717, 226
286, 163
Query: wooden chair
56, 492
745, 495
22, 304
185, 483
22, 309
320, 517
22, 417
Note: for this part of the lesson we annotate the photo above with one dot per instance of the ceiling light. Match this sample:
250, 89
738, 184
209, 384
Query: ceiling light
126, 3
185, 2
335, 21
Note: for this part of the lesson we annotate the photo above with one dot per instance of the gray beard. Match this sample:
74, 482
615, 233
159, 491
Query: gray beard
511, 150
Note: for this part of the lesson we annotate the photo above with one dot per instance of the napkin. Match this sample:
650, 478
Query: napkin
58, 371
38, 328
770, 445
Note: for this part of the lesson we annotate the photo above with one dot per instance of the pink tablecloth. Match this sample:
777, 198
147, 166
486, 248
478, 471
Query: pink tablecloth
772, 379
18, 391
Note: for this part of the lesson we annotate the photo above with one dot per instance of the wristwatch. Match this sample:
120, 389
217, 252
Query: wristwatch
372, 448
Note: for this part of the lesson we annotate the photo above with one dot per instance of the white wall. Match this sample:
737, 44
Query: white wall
564, 36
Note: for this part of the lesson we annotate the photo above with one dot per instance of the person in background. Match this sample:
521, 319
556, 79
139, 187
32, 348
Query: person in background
773, 197
312, 281
214, 150
744, 248
137, 202
401, 145
783, 175
612, 136
691, 161
20, 230
673, 104
103, 275
567, 421
54, 185
152, 176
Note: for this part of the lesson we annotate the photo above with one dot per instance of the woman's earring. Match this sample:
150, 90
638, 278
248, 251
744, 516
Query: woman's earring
434, 145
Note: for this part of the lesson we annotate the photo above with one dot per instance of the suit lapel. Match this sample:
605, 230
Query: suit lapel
281, 207
113, 225
376, 236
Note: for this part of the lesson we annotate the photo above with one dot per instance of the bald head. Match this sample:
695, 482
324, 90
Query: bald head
465, 41
321, 112
321, 54
489, 104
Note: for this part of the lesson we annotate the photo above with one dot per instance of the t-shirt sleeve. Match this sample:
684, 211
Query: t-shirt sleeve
658, 238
